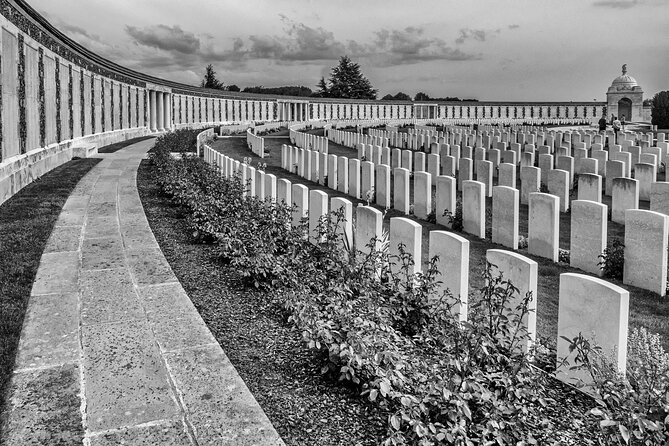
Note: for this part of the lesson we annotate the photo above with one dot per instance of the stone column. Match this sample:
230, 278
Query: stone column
167, 114
152, 110
160, 109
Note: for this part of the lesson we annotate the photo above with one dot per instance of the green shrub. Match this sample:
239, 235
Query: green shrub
455, 219
612, 260
633, 408
182, 140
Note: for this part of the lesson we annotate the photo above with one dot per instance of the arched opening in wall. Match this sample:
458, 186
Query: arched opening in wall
625, 109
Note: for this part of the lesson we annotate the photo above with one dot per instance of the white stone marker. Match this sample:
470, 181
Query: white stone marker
332, 171
507, 175
407, 159
602, 158
529, 182
473, 208
318, 207
366, 178
419, 162
396, 158
433, 165
270, 187
322, 168
646, 175
260, 184
484, 175
659, 197
596, 309
588, 235
313, 163
368, 225
354, 177
342, 174
546, 165
590, 187
505, 209
567, 163
453, 263
625, 196
300, 198
401, 197
345, 228
589, 165
522, 273
409, 233
544, 226
558, 185
422, 194
614, 169
445, 199
382, 187
466, 172
646, 237
448, 165
284, 191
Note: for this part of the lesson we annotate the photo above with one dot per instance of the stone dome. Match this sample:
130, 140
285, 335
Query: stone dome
624, 81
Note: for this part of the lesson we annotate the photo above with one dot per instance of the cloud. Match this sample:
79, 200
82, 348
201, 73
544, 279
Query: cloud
163, 37
410, 45
617, 4
163, 48
479, 35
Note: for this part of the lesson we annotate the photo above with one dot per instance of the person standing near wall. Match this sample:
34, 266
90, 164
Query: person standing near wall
602, 124
622, 123
616, 128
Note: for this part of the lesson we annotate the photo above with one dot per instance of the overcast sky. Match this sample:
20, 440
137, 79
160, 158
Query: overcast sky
516, 50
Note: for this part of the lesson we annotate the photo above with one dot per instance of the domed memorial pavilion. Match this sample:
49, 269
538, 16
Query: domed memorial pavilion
625, 98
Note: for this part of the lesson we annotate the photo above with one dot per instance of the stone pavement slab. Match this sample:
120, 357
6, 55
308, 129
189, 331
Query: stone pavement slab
112, 349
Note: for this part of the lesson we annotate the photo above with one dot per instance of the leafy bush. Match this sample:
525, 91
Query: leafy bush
633, 408
564, 256
182, 140
389, 332
455, 219
612, 260
522, 242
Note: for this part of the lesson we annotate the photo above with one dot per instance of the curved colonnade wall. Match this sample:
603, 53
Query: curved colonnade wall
58, 100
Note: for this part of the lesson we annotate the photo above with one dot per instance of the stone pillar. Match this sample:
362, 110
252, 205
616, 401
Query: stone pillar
160, 112
167, 113
152, 111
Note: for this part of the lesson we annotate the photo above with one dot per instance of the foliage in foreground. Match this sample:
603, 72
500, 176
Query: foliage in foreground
374, 324
633, 408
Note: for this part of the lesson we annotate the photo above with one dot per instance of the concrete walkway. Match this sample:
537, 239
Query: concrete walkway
112, 349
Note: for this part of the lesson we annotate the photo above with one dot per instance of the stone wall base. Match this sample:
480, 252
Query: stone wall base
19, 171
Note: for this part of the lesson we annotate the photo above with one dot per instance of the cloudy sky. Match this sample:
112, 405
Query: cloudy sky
521, 50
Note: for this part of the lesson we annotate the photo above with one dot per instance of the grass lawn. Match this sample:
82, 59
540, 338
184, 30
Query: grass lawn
26, 222
646, 308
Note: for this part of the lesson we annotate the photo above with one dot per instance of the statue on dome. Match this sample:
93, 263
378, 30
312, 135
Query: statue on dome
624, 69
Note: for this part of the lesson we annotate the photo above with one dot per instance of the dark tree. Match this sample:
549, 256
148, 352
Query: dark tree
210, 80
402, 97
388, 97
322, 89
420, 96
232, 87
284, 91
346, 81
660, 110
